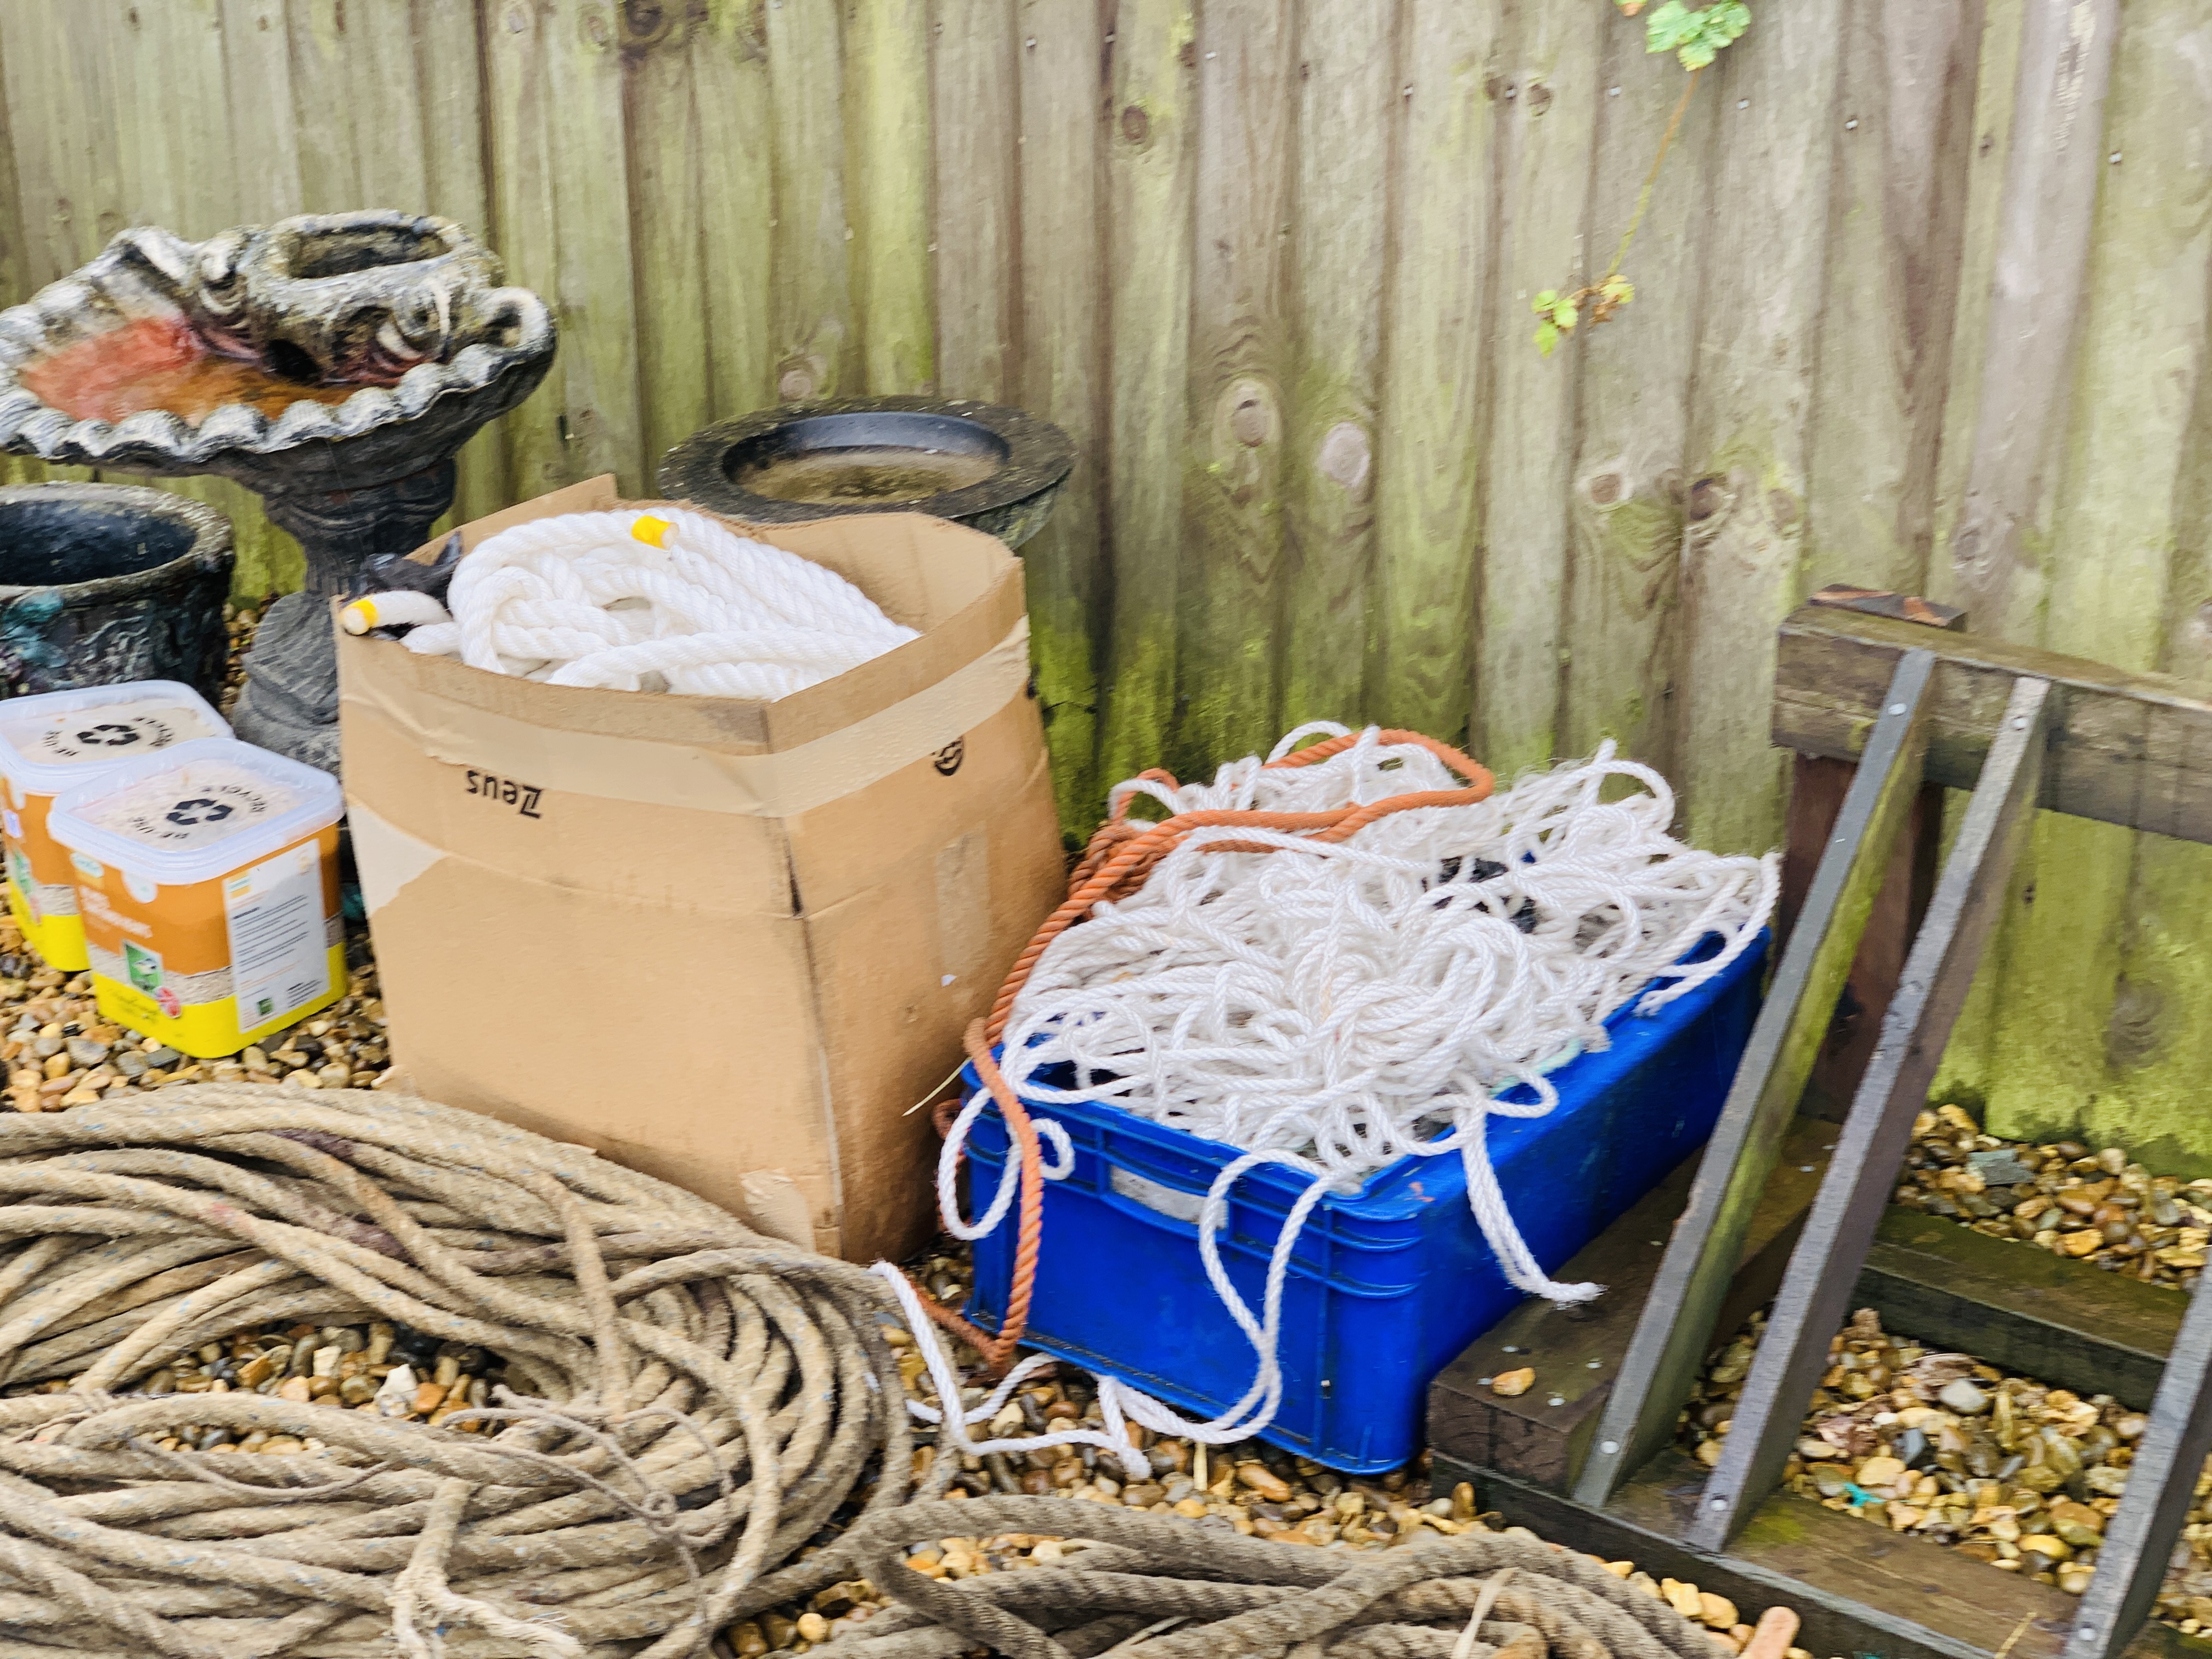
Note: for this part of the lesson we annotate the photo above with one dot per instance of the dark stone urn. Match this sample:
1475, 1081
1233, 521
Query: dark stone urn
998, 469
101, 584
332, 363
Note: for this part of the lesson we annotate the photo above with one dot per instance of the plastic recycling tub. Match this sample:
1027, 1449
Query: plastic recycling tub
1385, 1287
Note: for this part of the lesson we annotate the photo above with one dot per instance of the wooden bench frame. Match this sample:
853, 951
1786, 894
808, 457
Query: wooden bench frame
1885, 703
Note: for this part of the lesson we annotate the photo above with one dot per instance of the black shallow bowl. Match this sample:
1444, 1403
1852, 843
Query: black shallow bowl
983, 464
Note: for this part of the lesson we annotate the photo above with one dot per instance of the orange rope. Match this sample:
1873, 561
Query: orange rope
1121, 855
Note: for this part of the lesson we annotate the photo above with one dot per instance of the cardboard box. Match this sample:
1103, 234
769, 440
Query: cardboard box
727, 943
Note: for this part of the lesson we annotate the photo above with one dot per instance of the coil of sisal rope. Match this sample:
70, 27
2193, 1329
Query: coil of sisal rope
1178, 1592
632, 600
1332, 960
688, 1405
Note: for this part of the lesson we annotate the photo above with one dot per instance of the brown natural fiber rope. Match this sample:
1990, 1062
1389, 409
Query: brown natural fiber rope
690, 1403
1228, 1595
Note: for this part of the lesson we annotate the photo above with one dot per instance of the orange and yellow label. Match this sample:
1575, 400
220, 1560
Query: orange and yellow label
212, 966
42, 886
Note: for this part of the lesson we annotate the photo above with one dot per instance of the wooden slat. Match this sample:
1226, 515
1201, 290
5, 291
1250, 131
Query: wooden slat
1624, 611
815, 331
1858, 1588
66, 167
259, 42
328, 48
182, 164
518, 93
2139, 1540
1743, 561
1904, 105
67, 174
1149, 166
1547, 127
448, 80
1064, 375
1989, 142
558, 148
1814, 1298
2022, 1309
1817, 787
888, 170
1436, 292
2160, 1051
975, 117
596, 285
1965, 1072
730, 81
1576, 1351
1346, 97
2131, 749
2039, 271
662, 105
2065, 1322
1677, 1320
1226, 664
697, 115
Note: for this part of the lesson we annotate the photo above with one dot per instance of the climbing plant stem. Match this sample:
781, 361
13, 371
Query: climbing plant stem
1651, 178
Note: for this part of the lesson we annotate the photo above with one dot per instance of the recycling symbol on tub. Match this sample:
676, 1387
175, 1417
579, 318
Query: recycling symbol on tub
109, 734
201, 810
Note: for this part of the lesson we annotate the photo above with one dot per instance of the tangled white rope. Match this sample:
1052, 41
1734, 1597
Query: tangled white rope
1334, 1008
664, 600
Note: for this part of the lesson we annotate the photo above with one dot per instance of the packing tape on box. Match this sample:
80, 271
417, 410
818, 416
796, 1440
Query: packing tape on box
780, 784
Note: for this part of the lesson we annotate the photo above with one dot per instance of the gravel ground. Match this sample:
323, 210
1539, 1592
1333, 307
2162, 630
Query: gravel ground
58, 1051
2060, 1197
1257, 1490
2001, 1467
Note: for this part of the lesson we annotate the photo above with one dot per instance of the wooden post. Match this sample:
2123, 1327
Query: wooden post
1671, 1333
1818, 785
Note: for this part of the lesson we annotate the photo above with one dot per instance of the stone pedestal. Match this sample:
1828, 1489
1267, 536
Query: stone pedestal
290, 702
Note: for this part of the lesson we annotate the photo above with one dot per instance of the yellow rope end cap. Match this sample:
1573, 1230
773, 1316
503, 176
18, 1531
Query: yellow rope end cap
359, 616
652, 531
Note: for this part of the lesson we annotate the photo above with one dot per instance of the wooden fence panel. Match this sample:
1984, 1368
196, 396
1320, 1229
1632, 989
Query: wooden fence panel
1346, 87
1624, 634
1228, 669
1270, 262
1761, 303
1063, 368
1149, 172
1436, 295
1547, 130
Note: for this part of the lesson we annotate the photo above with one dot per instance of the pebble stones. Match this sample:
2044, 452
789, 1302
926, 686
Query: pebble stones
1255, 1489
2002, 1468
340, 1366
2060, 1197
57, 1051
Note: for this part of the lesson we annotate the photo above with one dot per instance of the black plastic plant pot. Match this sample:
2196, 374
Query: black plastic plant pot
983, 464
101, 584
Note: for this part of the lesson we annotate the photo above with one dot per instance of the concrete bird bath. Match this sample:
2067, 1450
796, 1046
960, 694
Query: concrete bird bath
333, 364
983, 464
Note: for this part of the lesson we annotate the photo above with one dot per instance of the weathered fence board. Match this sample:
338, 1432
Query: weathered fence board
1270, 262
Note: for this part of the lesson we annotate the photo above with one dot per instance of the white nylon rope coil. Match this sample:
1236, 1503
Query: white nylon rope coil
660, 600
1333, 1009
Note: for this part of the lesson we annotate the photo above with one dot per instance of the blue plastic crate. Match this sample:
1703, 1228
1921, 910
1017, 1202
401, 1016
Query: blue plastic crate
1384, 1288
